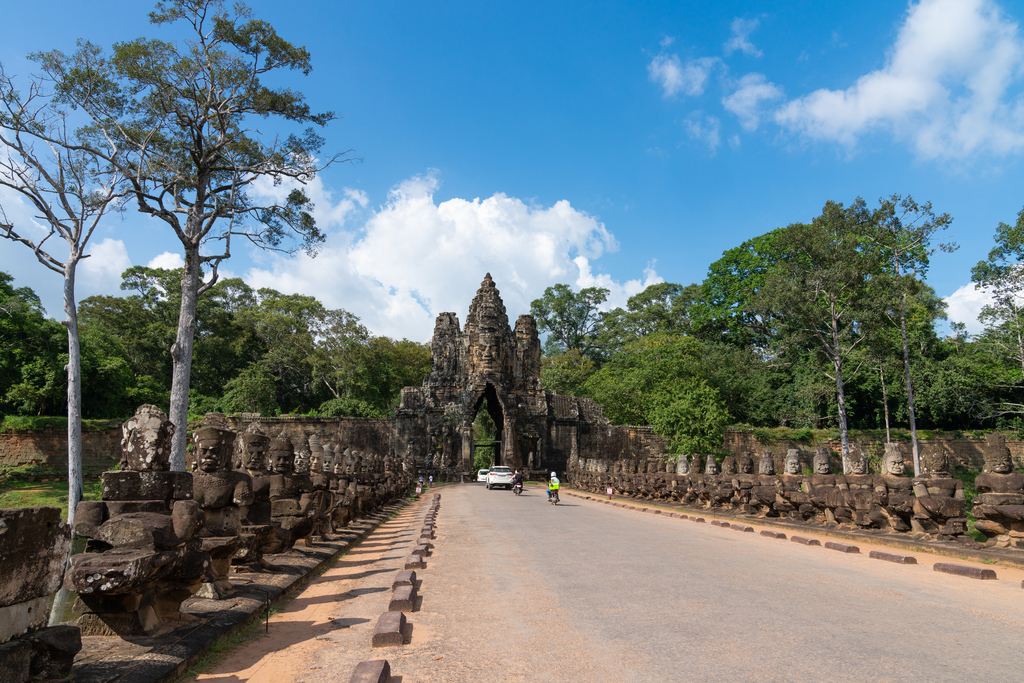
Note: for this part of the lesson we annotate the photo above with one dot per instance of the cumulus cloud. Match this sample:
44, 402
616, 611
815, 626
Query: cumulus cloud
329, 214
101, 272
740, 39
167, 260
747, 101
675, 76
965, 304
703, 128
950, 86
415, 257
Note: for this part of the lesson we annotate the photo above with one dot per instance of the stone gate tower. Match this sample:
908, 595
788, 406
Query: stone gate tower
488, 365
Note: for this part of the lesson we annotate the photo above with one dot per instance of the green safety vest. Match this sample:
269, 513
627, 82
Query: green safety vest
553, 485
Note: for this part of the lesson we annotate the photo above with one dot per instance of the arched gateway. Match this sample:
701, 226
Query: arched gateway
488, 365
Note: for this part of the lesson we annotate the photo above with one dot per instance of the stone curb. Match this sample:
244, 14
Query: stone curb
842, 547
372, 671
805, 541
718, 522
699, 520
741, 527
892, 557
390, 630
422, 550
773, 534
404, 578
964, 570
415, 561
403, 599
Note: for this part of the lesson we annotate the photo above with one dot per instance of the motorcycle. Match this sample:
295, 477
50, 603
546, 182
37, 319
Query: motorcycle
553, 497
517, 488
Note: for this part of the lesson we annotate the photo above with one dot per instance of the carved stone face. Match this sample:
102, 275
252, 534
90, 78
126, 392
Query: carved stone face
712, 466
683, 465
329, 458
893, 463
745, 464
1004, 465
316, 461
213, 449
282, 456
934, 460
339, 466
729, 465
792, 461
254, 453
146, 440
821, 461
859, 466
767, 464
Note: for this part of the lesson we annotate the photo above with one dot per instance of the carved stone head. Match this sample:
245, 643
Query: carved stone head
282, 455
858, 461
729, 465
214, 442
892, 463
792, 461
745, 463
822, 463
682, 465
254, 447
316, 454
712, 466
146, 440
997, 455
767, 463
339, 465
329, 456
934, 459
695, 464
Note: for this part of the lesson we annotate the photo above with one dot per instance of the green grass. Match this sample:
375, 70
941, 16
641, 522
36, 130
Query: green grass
22, 494
43, 423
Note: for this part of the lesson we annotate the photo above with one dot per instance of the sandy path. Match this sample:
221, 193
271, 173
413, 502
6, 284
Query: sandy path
338, 599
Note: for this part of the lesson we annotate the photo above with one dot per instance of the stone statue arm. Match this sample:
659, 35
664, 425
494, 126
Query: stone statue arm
920, 490
244, 495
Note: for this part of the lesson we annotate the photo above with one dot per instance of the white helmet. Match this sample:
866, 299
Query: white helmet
552, 475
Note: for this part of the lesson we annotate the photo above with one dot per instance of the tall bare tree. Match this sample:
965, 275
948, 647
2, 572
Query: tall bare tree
184, 113
70, 191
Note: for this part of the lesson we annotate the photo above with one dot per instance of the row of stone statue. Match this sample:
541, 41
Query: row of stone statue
931, 505
158, 537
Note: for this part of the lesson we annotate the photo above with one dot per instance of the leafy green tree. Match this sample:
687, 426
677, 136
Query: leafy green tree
819, 297
33, 351
692, 419
570, 319
664, 307
181, 114
902, 230
567, 373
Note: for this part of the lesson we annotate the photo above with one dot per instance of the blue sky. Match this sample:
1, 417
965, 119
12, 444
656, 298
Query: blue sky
599, 143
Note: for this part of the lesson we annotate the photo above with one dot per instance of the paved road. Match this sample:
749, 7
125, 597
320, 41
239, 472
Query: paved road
519, 590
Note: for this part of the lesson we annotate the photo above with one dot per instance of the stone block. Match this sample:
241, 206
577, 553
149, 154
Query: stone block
682, 516
415, 562
773, 534
144, 530
964, 570
842, 547
422, 550
390, 630
54, 650
373, 671
15, 661
150, 485
285, 507
892, 557
805, 541
699, 520
403, 599
743, 528
34, 544
89, 515
22, 618
718, 522
404, 578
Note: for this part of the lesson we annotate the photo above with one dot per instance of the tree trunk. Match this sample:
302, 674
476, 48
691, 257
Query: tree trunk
74, 371
910, 386
885, 404
181, 356
844, 432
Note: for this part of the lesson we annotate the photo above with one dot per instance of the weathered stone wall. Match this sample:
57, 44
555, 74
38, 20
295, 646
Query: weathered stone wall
49, 450
360, 433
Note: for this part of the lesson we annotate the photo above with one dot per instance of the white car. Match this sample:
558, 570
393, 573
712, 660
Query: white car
481, 475
499, 476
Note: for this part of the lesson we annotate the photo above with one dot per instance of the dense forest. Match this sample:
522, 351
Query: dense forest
758, 342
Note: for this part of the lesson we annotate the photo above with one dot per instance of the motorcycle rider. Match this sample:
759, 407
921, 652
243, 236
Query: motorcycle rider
553, 485
517, 479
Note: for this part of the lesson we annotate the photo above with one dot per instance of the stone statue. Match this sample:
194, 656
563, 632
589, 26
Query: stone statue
898, 503
999, 505
743, 484
290, 494
762, 497
823, 487
254, 449
682, 465
224, 496
140, 539
711, 466
302, 455
939, 501
767, 463
863, 494
791, 498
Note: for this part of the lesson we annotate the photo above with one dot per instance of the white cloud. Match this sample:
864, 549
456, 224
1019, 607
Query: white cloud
328, 213
167, 260
666, 41
675, 77
101, 272
704, 129
740, 40
618, 293
965, 304
950, 85
746, 101
415, 258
